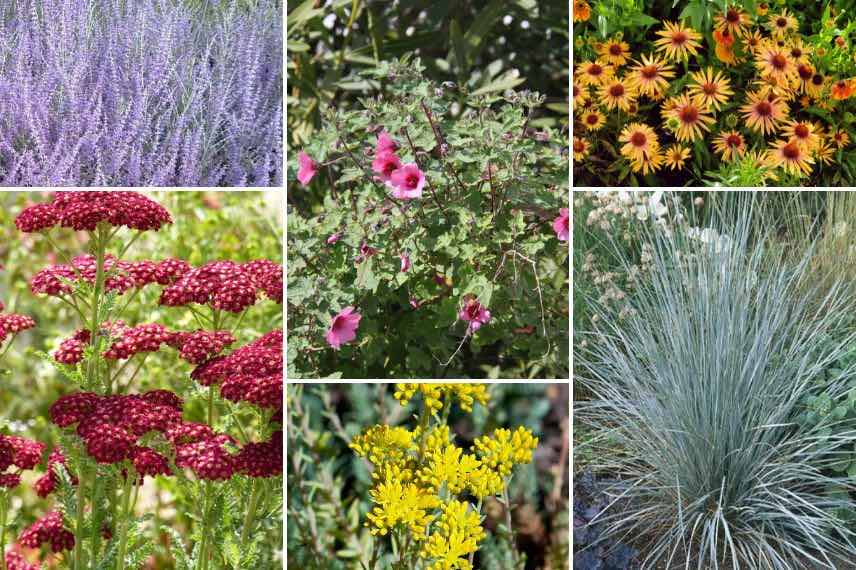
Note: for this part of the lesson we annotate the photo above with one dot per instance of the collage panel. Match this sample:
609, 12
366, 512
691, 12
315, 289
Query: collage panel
427, 192
714, 379
427, 476
141, 376
167, 93
714, 93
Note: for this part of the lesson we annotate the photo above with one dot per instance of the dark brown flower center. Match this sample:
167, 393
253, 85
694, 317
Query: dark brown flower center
591, 119
732, 15
817, 79
779, 61
616, 90
782, 22
764, 109
679, 38
801, 131
412, 181
579, 146
804, 72
796, 53
710, 89
638, 138
689, 115
595, 69
649, 71
577, 91
734, 140
791, 151
615, 49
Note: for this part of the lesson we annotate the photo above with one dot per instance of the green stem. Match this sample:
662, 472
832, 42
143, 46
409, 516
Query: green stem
251, 513
123, 533
511, 544
79, 551
4, 508
202, 561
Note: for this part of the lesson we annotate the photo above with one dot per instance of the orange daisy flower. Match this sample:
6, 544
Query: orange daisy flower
730, 145
581, 148
688, 117
615, 94
799, 52
582, 11
675, 156
782, 24
650, 163
734, 19
650, 76
840, 138
804, 73
594, 73
725, 47
775, 63
640, 141
762, 9
593, 119
581, 94
791, 157
764, 113
753, 41
678, 41
824, 153
614, 52
709, 89
804, 133
842, 89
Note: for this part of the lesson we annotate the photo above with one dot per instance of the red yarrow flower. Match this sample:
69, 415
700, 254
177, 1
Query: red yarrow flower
307, 168
84, 210
261, 459
199, 346
208, 459
561, 225
15, 561
343, 329
407, 182
48, 530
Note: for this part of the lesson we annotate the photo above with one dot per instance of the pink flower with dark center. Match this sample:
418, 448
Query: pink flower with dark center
405, 262
385, 164
475, 314
343, 329
307, 168
334, 238
385, 143
407, 182
562, 225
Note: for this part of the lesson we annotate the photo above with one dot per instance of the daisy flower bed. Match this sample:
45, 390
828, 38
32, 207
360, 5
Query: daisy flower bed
733, 94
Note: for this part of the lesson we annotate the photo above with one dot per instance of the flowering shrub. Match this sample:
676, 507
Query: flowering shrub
217, 443
442, 244
143, 93
739, 94
438, 479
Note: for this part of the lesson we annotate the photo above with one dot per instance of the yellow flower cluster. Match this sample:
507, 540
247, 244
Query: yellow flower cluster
506, 449
458, 534
422, 478
434, 394
786, 75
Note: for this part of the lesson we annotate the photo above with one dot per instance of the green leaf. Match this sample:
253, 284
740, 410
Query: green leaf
507, 80
366, 278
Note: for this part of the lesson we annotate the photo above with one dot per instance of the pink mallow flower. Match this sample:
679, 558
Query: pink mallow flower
385, 163
475, 314
562, 225
405, 261
343, 329
407, 182
385, 143
307, 168
334, 238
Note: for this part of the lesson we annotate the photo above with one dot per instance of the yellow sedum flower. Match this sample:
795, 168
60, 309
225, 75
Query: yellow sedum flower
485, 482
401, 502
383, 444
450, 466
506, 449
433, 394
457, 534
